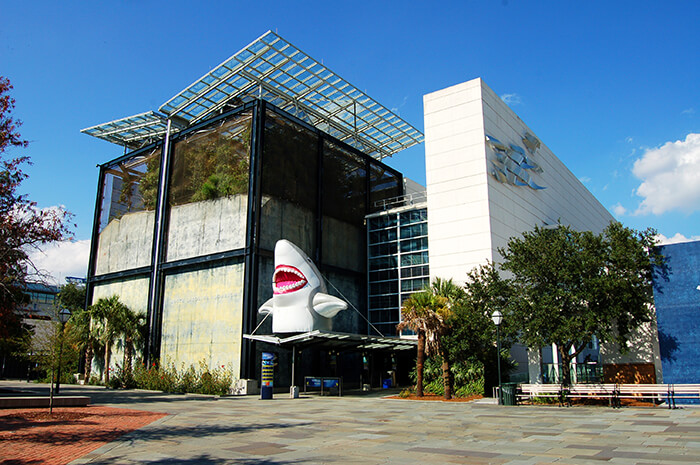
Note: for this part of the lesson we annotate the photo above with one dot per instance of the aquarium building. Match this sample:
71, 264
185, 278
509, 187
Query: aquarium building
271, 144
268, 145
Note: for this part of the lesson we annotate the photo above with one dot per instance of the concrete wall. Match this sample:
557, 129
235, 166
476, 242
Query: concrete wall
285, 220
125, 243
343, 244
642, 350
202, 317
207, 227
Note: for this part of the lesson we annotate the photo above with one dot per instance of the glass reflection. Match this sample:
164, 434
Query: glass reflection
208, 192
127, 212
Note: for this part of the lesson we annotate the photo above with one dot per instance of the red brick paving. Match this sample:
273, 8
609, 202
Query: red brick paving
32, 436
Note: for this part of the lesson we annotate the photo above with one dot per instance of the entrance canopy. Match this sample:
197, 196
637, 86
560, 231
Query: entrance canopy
337, 341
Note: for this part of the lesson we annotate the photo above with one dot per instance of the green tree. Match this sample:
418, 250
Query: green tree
72, 297
113, 320
452, 296
86, 335
23, 227
570, 285
424, 313
132, 327
472, 339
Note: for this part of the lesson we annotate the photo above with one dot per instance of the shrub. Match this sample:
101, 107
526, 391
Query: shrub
468, 377
167, 378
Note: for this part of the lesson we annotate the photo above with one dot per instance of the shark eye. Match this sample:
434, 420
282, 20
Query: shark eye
287, 279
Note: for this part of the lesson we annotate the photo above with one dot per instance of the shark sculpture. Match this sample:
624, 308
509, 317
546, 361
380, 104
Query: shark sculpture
300, 302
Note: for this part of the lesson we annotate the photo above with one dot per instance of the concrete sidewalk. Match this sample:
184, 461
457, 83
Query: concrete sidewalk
370, 430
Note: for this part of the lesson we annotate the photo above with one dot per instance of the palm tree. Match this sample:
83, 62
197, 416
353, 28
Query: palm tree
111, 314
131, 328
87, 335
451, 295
419, 315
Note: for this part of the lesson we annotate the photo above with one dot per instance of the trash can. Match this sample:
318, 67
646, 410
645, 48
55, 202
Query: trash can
509, 394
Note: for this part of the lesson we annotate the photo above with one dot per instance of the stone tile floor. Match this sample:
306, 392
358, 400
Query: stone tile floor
372, 430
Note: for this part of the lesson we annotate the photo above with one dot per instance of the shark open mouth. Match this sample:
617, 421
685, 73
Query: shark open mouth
287, 279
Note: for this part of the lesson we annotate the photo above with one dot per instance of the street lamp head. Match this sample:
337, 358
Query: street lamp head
497, 317
64, 315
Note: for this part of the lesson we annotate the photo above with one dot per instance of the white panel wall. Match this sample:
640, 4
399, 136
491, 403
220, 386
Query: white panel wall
515, 209
459, 235
471, 214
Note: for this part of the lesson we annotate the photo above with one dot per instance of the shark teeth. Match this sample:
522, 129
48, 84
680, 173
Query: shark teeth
287, 279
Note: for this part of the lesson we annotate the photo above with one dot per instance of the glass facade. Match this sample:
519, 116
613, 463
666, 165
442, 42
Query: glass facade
208, 189
127, 201
289, 184
344, 208
202, 249
397, 263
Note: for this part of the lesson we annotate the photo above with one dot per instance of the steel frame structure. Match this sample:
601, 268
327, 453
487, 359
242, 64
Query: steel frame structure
273, 69
249, 255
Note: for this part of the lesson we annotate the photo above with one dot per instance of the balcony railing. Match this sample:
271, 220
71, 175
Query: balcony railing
580, 373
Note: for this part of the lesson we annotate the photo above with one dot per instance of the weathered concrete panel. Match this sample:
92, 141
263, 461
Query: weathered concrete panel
285, 220
125, 243
343, 244
202, 317
131, 292
206, 227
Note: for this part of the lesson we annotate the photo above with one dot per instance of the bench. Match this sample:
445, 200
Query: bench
683, 391
613, 392
329, 385
564, 393
43, 401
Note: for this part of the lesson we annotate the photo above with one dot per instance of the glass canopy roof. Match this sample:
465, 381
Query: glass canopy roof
275, 70
131, 130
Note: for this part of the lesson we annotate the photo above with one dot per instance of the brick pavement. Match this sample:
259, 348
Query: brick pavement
33, 436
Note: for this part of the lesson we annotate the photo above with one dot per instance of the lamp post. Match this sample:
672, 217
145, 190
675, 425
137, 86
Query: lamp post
497, 318
63, 315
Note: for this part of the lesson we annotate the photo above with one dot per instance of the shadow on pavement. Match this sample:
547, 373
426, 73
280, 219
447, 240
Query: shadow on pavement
204, 459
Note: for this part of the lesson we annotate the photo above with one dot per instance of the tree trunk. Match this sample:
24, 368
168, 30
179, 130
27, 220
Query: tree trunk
446, 373
565, 360
420, 360
88, 362
128, 351
107, 357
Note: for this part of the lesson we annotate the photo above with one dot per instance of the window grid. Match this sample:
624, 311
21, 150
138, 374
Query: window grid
397, 264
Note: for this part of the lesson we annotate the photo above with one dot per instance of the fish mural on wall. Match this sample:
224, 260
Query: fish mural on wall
300, 300
510, 164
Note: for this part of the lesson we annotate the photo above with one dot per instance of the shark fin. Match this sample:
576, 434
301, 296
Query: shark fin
327, 305
266, 307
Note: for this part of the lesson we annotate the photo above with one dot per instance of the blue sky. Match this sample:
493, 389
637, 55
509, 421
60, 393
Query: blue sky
613, 88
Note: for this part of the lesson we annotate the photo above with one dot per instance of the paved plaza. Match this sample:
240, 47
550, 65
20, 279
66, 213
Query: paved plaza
374, 430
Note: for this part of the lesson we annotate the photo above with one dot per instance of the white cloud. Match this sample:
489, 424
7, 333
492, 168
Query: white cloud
512, 99
584, 179
688, 111
62, 259
670, 177
397, 109
619, 210
663, 240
